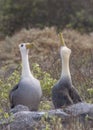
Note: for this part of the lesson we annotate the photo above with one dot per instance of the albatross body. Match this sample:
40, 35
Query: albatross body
63, 92
28, 91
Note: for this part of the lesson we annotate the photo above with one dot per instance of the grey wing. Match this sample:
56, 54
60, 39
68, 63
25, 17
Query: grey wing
74, 95
11, 95
61, 98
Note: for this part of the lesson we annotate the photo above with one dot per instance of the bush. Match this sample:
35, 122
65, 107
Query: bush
46, 80
5, 86
15, 15
21, 14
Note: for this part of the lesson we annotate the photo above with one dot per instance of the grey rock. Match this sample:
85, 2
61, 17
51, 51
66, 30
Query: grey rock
59, 113
19, 108
79, 108
23, 119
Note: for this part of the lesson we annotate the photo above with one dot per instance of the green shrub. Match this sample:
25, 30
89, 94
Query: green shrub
5, 86
45, 79
90, 91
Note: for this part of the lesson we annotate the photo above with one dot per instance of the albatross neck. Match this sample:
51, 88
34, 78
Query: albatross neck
25, 66
65, 68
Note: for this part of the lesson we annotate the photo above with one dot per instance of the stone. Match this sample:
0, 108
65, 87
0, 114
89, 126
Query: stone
23, 119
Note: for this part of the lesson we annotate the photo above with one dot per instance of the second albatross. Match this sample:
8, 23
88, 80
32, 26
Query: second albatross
63, 92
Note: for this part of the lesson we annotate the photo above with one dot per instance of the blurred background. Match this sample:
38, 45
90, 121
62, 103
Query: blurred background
15, 15
40, 21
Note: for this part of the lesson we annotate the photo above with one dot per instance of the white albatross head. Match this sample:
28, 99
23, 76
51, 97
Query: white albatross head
65, 52
24, 48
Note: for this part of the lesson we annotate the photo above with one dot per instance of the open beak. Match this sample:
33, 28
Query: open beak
29, 45
62, 39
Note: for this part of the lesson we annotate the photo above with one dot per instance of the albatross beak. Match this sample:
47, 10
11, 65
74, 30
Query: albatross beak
62, 39
29, 45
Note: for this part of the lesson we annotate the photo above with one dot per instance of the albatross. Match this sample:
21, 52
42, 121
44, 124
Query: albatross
63, 92
28, 91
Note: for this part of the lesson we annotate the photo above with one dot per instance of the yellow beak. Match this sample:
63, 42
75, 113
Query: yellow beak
29, 45
62, 39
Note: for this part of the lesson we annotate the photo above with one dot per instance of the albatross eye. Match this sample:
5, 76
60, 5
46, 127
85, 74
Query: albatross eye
22, 45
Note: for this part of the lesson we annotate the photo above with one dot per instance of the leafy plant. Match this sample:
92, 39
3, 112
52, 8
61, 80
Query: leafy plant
45, 78
90, 91
5, 86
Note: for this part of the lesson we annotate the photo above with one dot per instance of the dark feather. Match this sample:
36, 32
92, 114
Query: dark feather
11, 94
74, 95
64, 94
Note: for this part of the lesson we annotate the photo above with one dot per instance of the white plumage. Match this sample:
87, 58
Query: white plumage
28, 91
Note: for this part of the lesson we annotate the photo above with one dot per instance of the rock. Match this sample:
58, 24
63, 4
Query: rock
59, 113
23, 119
79, 108
19, 108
